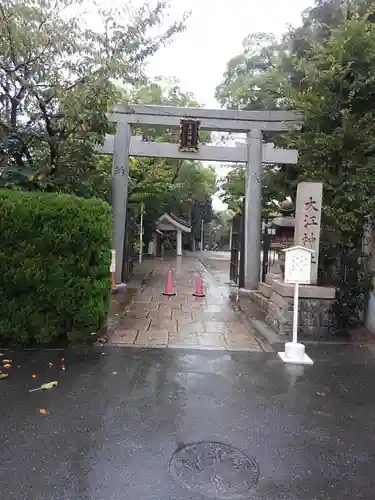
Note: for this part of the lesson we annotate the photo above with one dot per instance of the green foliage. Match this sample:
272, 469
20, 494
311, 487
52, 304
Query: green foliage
233, 188
56, 76
165, 185
166, 92
326, 70
338, 146
253, 79
184, 189
54, 267
275, 187
217, 232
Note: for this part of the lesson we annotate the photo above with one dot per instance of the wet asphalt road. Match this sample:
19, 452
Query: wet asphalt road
114, 420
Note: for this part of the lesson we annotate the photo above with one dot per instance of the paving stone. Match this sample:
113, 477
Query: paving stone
195, 303
165, 312
182, 338
213, 345
155, 337
169, 306
225, 316
184, 344
216, 327
128, 323
239, 329
138, 314
192, 308
212, 308
193, 327
150, 344
143, 304
182, 321
142, 301
164, 324
124, 336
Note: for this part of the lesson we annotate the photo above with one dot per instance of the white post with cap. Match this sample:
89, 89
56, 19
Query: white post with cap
297, 272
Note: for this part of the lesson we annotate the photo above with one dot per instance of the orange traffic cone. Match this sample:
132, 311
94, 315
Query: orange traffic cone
199, 292
169, 290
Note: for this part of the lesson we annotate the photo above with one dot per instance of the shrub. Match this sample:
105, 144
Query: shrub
54, 266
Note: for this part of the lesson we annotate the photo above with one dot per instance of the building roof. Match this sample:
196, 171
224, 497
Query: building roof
175, 221
283, 221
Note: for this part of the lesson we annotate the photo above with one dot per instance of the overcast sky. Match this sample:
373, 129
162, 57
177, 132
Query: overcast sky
214, 35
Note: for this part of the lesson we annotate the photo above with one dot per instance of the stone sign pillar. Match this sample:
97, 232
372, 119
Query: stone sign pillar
308, 219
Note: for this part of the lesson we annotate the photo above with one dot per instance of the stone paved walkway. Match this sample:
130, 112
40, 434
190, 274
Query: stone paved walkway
182, 321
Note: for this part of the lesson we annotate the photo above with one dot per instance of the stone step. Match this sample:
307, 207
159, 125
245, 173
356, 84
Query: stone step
265, 290
271, 277
260, 300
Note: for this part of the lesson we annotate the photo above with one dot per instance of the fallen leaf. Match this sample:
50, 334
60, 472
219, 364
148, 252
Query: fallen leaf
4, 375
42, 411
48, 385
34, 375
114, 373
7, 365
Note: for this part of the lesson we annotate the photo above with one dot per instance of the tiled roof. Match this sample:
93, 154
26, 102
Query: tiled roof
179, 220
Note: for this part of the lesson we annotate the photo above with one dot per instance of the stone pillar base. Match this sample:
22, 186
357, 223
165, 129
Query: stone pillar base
316, 317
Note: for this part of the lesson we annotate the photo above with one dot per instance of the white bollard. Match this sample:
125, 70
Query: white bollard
295, 353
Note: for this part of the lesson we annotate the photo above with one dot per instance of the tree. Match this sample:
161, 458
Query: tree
217, 232
197, 185
268, 75
277, 182
337, 146
257, 80
318, 24
56, 85
233, 188
165, 185
188, 194
177, 181
329, 69
252, 79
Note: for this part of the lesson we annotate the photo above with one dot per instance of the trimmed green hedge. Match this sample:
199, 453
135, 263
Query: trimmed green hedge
54, 266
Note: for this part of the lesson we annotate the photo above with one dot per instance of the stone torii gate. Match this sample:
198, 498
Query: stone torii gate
254, 154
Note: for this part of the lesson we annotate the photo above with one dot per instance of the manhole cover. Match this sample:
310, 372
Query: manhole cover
214, 469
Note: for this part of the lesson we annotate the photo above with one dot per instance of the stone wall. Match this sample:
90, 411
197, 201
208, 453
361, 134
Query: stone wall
316, 318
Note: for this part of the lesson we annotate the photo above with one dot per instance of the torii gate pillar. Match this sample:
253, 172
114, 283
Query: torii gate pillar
253, 209
120, 178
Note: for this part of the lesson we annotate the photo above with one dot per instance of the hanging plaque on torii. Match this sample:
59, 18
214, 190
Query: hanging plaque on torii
189, 136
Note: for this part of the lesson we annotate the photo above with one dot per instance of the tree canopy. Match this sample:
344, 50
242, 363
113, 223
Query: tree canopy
324, 69
56, 84
60, 71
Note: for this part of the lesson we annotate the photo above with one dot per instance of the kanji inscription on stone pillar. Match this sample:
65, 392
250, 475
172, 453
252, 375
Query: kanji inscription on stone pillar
308, 219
